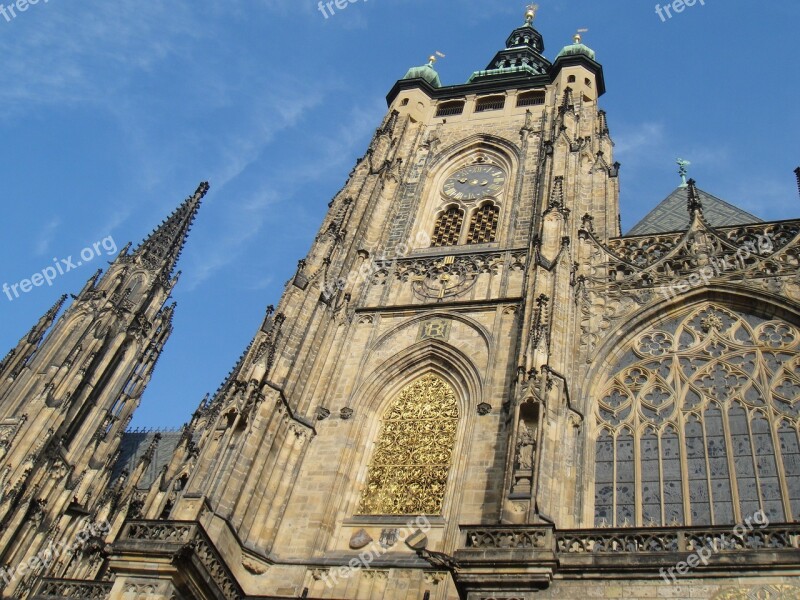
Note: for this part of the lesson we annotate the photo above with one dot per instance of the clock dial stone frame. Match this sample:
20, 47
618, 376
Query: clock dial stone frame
473, 182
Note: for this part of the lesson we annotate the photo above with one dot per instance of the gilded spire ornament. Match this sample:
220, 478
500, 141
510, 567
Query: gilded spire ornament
530, 13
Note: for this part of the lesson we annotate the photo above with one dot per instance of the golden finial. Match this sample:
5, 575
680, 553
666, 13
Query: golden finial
577, 37
433, 57
530, 13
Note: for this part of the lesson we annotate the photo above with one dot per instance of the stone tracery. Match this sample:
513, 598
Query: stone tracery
713, 393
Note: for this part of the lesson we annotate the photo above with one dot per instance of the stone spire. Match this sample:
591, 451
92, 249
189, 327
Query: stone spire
797, 172
35, 335
162, 248
37, 331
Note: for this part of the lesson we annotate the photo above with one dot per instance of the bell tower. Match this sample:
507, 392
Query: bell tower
411, 378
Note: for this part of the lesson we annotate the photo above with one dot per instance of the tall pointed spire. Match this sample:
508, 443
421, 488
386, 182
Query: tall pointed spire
30, 342
37, 332
162, 248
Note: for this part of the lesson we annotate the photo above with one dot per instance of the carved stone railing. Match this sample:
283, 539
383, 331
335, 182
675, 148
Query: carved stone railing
184, 541
513, 538
633, 540
56, 589
639, 541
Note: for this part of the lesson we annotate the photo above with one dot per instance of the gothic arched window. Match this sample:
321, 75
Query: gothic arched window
713, 397
409, 469
448, 227
483, 224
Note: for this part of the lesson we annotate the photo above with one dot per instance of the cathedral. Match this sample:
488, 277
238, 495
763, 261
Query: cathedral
475, 386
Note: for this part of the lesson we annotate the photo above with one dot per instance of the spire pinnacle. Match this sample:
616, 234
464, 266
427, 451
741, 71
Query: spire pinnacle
797, 172
530, 13
683, 171
694, 203
577, 38
162, 248
37, 331
434, 57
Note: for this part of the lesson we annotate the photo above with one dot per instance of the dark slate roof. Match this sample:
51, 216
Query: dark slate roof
673, 215
133, 446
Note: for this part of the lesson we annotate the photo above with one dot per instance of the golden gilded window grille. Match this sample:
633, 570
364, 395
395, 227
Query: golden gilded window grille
483, 224
409, 469
448, 227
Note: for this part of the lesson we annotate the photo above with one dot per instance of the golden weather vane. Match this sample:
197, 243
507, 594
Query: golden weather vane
432, 58
577, 37
530, 13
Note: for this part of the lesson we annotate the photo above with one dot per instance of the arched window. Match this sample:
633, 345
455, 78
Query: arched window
448, 227
714, 398
490, 103
409, 469
535, 98
483, 224
449, 109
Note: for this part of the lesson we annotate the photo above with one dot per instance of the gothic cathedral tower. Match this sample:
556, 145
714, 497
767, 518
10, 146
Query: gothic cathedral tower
465, 390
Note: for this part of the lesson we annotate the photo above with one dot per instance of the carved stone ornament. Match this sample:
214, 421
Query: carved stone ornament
435, 329
417, 540
254, 567
484, 408
346, 413
389, 537
360, 539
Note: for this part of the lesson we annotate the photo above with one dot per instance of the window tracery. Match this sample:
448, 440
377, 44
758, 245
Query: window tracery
707, 405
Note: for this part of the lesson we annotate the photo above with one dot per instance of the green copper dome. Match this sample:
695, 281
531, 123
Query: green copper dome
426, 72
576, 49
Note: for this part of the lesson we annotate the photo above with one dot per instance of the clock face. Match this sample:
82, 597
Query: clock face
474, 182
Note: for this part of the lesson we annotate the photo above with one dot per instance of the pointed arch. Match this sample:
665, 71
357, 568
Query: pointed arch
413, 455
483, 223
375, 395
485, 150
721, 383
447, 228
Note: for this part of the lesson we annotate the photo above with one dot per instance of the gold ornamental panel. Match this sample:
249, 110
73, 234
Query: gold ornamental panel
408, 472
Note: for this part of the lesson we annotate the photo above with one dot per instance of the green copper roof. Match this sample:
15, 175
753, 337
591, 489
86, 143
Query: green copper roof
574, 49
426, 72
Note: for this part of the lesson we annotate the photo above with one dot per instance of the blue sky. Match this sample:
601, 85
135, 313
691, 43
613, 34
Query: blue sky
111, 113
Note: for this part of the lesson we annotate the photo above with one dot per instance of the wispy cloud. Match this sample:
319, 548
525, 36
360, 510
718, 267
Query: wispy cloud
44, 238
246, 218
631, 141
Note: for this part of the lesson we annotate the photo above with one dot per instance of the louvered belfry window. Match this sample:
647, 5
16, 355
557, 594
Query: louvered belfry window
448, 227
483, 225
